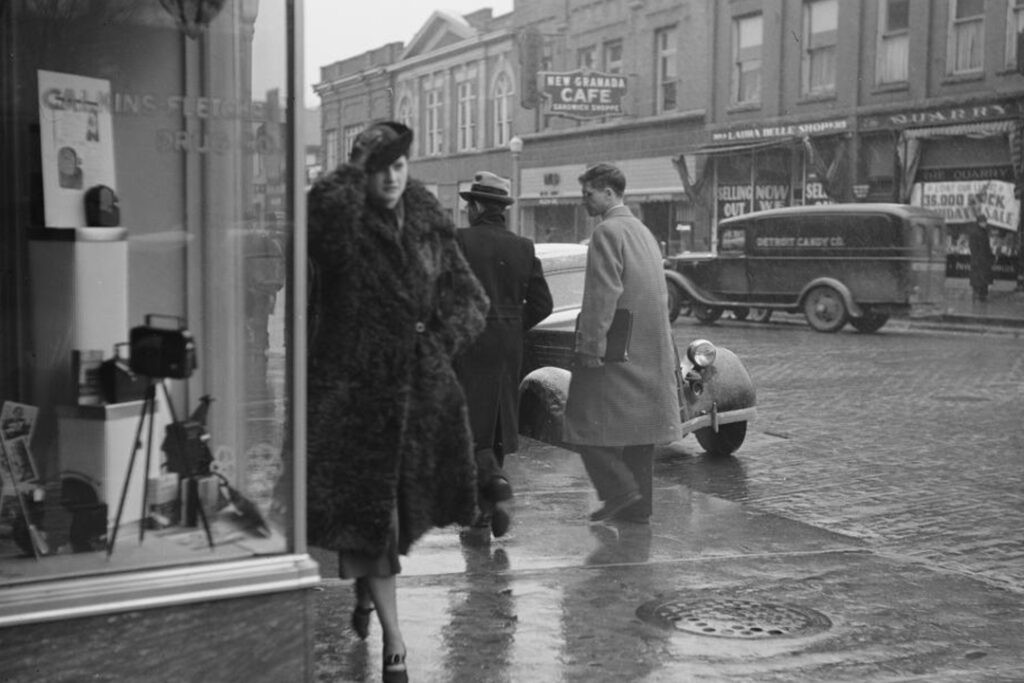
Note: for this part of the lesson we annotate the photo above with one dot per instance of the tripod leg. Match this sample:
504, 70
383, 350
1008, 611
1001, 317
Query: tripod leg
145, 471
199, 505
136, 444
202, 516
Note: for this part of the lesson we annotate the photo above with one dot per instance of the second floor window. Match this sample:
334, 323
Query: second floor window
613, 57
350, 137
404, 116
586, 57
966, 36
821, 23
666, 69
746, 64
331, 150
466, 115
503, 108
1014, 26
434, 122
893, 41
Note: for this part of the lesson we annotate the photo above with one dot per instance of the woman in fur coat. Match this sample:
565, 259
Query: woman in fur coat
390, 450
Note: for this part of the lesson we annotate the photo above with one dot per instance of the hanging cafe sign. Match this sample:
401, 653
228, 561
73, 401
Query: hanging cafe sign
583, 93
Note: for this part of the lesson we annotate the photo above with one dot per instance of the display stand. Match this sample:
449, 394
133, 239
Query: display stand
79, 293
95, 444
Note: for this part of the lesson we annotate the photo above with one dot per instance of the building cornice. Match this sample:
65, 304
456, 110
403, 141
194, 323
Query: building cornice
411, 62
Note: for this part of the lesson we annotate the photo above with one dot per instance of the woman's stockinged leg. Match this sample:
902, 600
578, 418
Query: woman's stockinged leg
383, 590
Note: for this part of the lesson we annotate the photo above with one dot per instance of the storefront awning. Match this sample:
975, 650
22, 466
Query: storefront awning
981, 129
752, 146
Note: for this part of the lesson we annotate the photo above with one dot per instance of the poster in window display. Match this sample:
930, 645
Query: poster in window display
76, 140
17, 424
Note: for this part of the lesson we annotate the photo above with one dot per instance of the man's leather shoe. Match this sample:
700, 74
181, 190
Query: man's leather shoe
500, 521
497, 489
615, 506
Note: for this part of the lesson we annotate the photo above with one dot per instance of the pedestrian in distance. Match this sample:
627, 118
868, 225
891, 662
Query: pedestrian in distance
617, 411
511, 274
389, 448
982, 258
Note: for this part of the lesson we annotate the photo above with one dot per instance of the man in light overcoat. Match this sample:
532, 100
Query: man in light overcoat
617, 411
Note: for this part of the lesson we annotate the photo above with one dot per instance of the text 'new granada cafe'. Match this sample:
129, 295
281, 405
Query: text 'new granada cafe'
151, 430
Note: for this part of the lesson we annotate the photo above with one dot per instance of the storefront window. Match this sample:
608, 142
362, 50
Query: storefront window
146, 367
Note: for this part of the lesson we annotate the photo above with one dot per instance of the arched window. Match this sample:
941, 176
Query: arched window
504, 94
404, 115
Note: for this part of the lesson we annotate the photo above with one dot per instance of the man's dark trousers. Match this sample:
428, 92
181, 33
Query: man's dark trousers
617, 471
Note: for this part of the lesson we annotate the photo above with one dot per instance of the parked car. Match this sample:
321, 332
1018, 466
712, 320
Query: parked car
836, 263
717, 397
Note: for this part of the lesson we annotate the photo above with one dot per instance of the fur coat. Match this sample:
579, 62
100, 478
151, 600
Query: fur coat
387, 419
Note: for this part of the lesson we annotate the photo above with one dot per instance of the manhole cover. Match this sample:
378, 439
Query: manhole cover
728, 618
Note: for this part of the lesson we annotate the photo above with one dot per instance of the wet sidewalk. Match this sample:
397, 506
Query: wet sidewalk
710, 591
1004, 307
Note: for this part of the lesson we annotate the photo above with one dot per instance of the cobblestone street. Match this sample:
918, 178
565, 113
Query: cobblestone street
913, 441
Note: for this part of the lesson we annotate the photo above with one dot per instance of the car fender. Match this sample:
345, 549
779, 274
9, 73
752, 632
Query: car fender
852, 307
691, 290
727, 394
542, 396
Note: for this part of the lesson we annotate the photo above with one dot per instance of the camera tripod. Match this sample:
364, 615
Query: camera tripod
149, 411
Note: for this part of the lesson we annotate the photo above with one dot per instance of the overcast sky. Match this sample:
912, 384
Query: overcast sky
338, 29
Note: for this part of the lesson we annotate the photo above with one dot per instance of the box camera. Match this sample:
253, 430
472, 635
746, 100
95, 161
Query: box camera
162, 351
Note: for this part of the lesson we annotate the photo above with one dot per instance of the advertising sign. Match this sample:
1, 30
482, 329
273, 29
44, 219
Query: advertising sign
583, 93
76, 137
960, 202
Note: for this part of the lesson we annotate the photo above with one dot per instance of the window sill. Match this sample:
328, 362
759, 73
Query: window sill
120, 592
957, 79
817, 97
738, 108
895, 86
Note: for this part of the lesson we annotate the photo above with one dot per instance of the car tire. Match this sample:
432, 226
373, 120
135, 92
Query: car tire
825, 309
676, 299
741, 313
706, 315
760, 315
726, 441
869, 322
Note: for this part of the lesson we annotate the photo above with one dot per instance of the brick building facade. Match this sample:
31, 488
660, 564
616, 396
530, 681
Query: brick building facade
724, 107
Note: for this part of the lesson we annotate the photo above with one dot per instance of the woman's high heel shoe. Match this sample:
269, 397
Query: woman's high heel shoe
361, 621
394, 669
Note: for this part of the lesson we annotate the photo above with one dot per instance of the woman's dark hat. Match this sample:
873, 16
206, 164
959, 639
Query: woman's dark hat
488, 187
380, 145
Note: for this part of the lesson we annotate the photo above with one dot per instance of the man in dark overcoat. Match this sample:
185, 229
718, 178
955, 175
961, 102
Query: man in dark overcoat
617, 411
489, 369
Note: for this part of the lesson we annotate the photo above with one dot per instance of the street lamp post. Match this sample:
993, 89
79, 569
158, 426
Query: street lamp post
515, 145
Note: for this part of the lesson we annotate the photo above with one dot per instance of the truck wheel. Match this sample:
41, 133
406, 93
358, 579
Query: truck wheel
706, 314
675, 301
725, 442
760, 315
741, 313
825, 310
869, 322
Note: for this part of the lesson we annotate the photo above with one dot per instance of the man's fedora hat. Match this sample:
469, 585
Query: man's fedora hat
488, 187
380, 145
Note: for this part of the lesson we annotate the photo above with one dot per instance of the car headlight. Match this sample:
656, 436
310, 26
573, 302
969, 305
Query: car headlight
701, 353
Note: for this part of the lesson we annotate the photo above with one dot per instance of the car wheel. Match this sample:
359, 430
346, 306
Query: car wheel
676, 299
869, 322
706, 314
825, 310
760, 315
740, 313
726, 441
